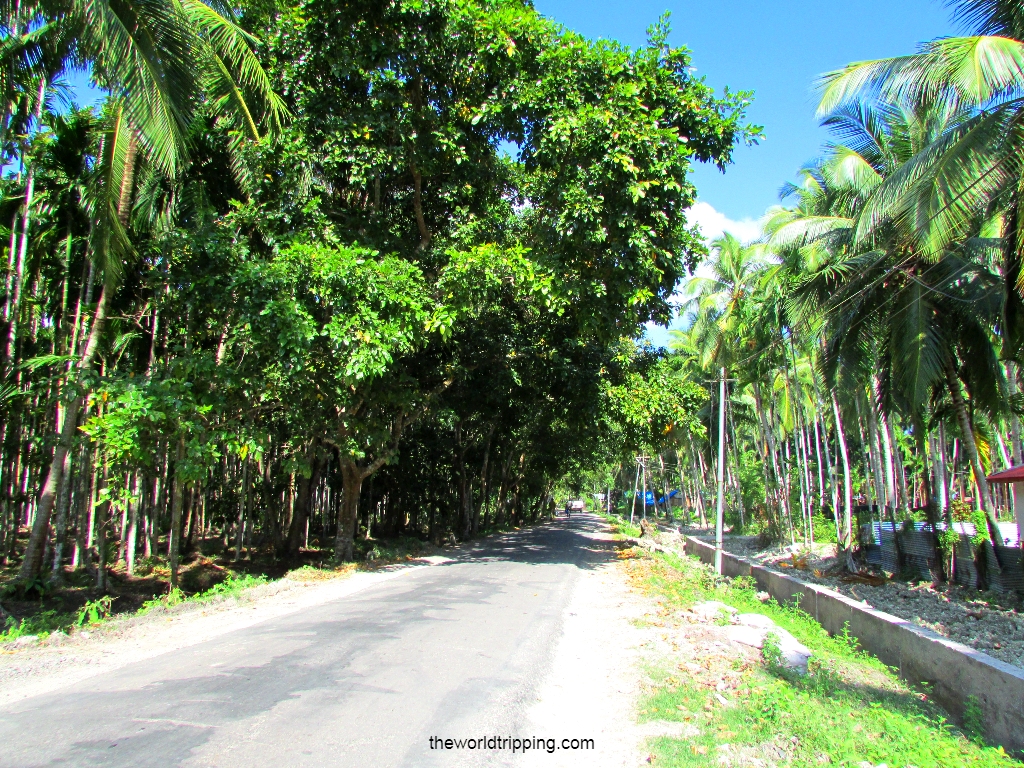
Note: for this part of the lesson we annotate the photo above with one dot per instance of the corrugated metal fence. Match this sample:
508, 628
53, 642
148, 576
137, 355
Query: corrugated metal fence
898, 549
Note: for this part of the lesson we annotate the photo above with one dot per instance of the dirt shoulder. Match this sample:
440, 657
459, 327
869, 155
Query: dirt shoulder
598, 674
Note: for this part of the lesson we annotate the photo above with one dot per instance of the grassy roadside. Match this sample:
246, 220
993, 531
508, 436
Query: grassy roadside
742, 710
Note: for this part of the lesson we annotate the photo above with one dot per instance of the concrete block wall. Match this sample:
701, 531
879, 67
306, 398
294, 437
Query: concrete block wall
952, 670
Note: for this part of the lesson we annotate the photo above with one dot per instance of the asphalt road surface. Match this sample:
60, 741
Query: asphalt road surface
451, 651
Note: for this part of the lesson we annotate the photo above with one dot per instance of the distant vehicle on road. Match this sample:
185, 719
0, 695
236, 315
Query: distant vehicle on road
576, 505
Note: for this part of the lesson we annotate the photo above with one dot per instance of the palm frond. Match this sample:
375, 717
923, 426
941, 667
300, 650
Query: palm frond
962, 71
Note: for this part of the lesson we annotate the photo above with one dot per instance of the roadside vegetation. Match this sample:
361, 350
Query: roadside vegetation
746, 709
321, 283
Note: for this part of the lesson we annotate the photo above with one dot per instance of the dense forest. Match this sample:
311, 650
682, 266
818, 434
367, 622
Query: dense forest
315, 273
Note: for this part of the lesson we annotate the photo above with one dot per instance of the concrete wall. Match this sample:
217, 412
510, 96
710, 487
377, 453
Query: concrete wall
954, 671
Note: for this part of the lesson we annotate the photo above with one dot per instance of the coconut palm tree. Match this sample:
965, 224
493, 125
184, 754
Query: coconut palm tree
974, 169
922, 321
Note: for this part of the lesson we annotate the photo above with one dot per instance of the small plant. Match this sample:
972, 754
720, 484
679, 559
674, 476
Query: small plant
849, 641
744, 582
41, 625
948, 541
36, 585
980, 528
771, 651
974, 720
95, 611
230, 586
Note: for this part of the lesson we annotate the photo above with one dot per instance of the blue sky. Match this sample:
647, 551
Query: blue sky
777, 48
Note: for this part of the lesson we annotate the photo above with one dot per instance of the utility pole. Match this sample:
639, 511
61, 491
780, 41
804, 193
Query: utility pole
643, 472
721, 474
636, 482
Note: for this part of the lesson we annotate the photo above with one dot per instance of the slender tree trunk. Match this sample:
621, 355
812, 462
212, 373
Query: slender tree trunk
1015, 446
303, 501
133, 526
484, 490
61, 533
101, 521
846, 533
177, 494
769, 436
243, 511
971, 449
32, 564
26, 222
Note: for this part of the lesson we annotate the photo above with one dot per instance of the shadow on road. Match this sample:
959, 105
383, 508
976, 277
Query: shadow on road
584, 540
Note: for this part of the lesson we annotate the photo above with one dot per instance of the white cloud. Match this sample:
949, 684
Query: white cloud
713, 224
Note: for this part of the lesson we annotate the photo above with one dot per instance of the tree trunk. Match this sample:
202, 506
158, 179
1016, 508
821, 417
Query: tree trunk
26, 222
464, 485
61, 533
243, 511
971, 449
32, 564
133, 527
481, 512
101, 519
352, 484
846, 532
303, 501
769, 436
177, 492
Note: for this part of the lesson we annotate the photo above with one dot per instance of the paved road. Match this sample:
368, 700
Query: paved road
454, 650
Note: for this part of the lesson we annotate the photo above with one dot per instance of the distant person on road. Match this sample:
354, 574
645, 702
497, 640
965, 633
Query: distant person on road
568, 506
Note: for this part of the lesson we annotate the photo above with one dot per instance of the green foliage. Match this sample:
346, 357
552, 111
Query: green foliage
771, 652
95, 611
974, 719
649, 403
948, 540
981, 535
39, 625
354, 273
824, 529
232, 586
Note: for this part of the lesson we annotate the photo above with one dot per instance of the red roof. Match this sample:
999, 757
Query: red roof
1011, 475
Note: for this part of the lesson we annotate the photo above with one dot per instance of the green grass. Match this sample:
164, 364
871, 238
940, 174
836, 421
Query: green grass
621, 525
849, 708
232, 586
